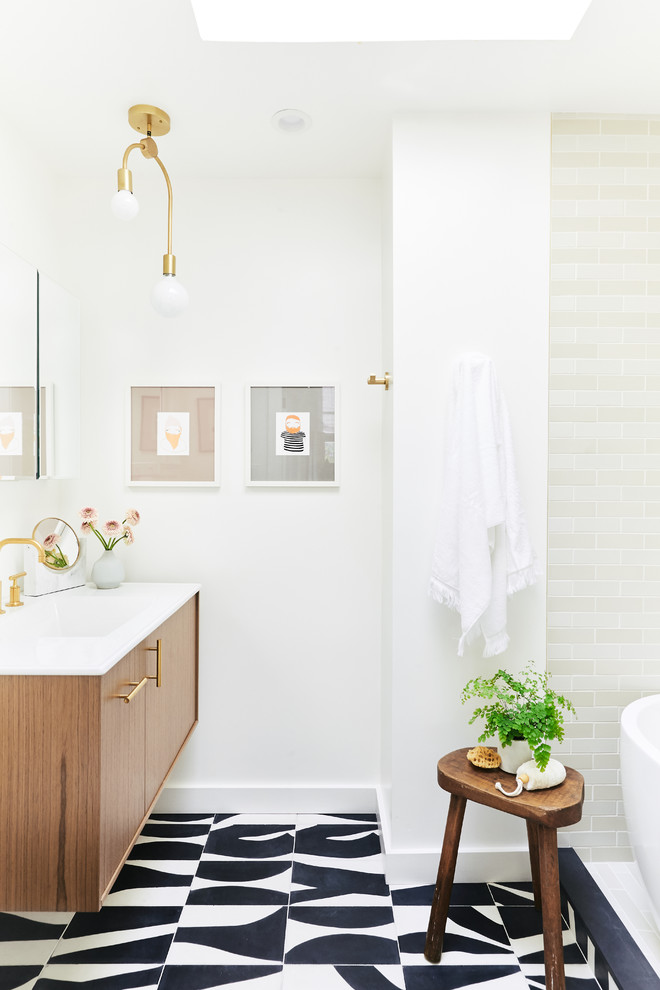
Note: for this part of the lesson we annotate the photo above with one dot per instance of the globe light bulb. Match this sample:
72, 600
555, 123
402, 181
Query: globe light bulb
168, 296
124, 205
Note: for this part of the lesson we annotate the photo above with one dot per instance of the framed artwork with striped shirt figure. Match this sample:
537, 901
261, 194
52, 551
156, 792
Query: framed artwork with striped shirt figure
291, 435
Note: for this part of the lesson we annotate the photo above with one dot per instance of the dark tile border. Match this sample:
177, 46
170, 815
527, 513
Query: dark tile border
615, 950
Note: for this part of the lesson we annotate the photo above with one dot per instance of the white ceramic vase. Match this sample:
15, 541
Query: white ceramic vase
108, 570
515, 754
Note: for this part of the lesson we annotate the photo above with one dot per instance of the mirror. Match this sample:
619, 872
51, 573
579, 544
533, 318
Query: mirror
18, 367
59, 381
39, 374
60, 542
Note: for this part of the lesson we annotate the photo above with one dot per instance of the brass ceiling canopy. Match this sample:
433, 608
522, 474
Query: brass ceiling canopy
149, 120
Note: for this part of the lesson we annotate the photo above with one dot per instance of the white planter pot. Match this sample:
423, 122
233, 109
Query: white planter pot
108, 571
515, 754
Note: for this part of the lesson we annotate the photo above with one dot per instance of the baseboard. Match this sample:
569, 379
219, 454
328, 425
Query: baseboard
183, 799
415, 865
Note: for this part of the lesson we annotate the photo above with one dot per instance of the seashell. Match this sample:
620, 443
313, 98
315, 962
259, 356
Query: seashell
484, 757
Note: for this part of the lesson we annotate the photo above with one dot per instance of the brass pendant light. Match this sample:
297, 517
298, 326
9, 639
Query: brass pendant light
168, 297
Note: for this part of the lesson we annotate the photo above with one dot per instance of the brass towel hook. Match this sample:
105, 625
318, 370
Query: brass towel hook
372, 380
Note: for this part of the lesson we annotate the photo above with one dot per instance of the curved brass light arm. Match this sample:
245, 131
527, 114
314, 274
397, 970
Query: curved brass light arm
130, 148
125, 181
169, 261
124, 176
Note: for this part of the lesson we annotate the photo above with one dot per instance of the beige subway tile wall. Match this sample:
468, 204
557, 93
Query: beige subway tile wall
604, 469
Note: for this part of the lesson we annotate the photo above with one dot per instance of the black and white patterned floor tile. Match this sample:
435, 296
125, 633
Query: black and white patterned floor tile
119, 935
229, 933
247, 837
512, 894
341, 936
163, 862
241, 882
476, 950
99, 977
173, 837
525, 929
253, 977
27, 941
338, 863
278, 902
473, 935
524, 926
343, 978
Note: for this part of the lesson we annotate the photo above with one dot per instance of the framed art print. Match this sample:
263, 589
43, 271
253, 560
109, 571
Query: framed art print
173, 435
291, 435
18, 432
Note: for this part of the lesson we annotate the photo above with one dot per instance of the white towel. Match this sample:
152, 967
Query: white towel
483, 552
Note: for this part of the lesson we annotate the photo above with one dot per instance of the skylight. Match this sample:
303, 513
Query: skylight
388, 20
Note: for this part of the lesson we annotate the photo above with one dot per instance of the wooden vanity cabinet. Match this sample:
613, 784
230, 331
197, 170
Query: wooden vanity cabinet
80, 768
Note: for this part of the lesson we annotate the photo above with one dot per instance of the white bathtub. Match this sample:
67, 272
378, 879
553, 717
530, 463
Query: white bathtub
640, 775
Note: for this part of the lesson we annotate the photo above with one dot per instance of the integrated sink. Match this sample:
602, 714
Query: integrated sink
84, 630
59, 616
91, 618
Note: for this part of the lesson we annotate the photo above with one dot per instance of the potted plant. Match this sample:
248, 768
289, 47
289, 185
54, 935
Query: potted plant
520, 707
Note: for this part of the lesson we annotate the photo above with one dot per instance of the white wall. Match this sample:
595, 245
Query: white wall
284, 280
470, 272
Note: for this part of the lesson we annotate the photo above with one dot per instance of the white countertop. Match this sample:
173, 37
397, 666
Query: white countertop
84, 630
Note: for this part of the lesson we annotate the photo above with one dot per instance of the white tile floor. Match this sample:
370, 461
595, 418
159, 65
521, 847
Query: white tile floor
623, 886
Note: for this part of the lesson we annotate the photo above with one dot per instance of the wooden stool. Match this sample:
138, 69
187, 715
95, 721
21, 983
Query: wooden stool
544, 812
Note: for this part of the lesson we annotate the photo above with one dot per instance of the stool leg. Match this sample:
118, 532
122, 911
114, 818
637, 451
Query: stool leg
440, 907
532, 839
553, 949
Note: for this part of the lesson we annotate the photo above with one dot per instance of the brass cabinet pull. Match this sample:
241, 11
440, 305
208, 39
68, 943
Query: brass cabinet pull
137, 686
158, 650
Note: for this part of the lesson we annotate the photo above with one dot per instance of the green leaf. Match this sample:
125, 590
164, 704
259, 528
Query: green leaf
523, 706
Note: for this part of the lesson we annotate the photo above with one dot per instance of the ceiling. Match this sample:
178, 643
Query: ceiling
69, 70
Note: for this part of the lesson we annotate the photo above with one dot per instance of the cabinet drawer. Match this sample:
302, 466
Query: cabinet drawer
172, 706
122, 759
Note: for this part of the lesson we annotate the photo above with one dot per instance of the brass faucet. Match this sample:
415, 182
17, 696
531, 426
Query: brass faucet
42, 559
33, 543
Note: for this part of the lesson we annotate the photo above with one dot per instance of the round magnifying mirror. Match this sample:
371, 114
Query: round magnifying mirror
60, 543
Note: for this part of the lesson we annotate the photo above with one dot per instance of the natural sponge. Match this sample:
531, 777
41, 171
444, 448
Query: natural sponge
484, 757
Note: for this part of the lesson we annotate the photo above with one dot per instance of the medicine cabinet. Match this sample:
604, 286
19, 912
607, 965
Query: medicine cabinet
39, 374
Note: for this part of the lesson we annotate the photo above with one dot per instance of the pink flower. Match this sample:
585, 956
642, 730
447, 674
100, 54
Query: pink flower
115, 531
50, 542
